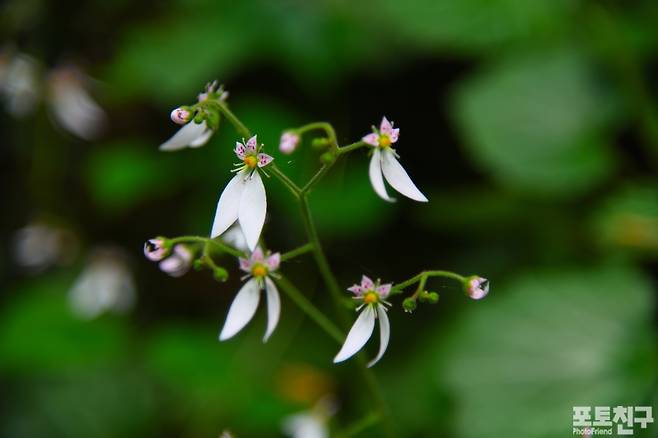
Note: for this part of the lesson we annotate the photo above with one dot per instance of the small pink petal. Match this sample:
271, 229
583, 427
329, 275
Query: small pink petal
240, 150
257, 255
386, 127
367, 283
371, 139
356, 289
245, 264
264, 160
274, 261
252, 144
394, 135
384, 289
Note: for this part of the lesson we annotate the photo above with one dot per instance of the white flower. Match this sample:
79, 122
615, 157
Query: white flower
259, 269
192, 134
384, 161
477, 287
72, 107
19, 83
39, 245
373, 296
312, 423
243, 199
105, 284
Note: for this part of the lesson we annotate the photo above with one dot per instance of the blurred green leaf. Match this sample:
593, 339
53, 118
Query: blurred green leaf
38, 332
122, 174
536, 123
518, 361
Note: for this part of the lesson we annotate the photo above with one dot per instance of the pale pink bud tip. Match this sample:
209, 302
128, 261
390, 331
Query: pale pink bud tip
477, 287
289, 142
180, 116
155, 249
179, 262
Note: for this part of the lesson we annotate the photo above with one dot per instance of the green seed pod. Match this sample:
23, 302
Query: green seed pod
432, 297
220, 274
409, 305
328, 157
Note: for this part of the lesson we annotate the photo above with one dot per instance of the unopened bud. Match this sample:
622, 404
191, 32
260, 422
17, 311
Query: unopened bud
328, 157
289, 142
180, 116
320, 143
220, 274
409, 305
156, 249
432, 297
179, 262
476, 287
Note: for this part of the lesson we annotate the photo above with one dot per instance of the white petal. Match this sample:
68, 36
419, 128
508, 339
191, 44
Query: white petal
202, 139
358, 335
273, 307
398, 178
384, 333
253, 206
376, 179
242, 310
185, 135
228, 205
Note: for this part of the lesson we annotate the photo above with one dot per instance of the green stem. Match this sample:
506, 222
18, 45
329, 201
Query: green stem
422, 278
351, 147
315, 178
310, 310
296, 252
360, 425
326, 127
218, 243
290, 185
233, 120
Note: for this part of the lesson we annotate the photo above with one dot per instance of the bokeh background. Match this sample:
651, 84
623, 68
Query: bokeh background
531, 126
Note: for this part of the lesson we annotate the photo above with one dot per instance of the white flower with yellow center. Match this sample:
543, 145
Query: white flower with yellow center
384, 164
243, 199
259, 269
373, 297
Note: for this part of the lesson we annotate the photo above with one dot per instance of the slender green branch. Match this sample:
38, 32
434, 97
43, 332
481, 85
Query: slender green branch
315, 178
310, 310
351, 147
296, 252
290, 185
422, 278
233, 120
326, 127
206, 240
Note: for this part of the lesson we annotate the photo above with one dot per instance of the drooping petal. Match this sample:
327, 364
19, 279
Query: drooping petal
273, 307
384, 289
264, 159
240, 150
202, 139
274, 261
252, 144
397, 177
386, 127
253, 206
384, 333
242, 310
367, 283
358, 335
245, 265
185, 135
376, 178
371, 139
228, 205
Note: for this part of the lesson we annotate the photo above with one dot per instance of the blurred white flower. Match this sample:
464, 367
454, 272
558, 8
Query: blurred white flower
313, 423
289, 142
105, 285
39, 245
19, 84
72, 106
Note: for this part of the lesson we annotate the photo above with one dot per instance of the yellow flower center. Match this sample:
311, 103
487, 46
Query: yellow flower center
259, 271
384, 141
250, 161
370, 297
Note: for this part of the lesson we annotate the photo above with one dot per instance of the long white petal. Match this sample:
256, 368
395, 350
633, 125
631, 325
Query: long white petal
273, 307
358, 335
242, 310
186, 135
384, 333
376, 179
397, 177
202, 139
228, 205
253, 206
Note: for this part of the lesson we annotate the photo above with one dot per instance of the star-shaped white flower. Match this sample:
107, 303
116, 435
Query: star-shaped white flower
259, 269
243, 199
384, 162
373, 296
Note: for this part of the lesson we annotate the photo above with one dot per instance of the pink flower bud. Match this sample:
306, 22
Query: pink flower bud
477, 287
289, 142
180, 116
155, 249
179, 262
